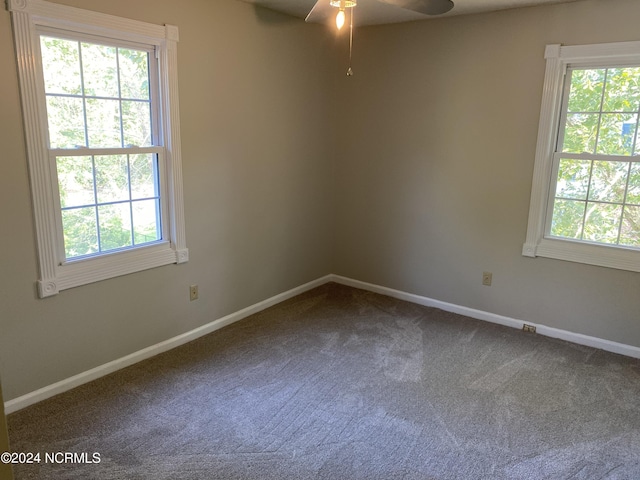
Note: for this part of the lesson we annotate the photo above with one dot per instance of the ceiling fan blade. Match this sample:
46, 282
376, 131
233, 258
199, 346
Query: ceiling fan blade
427, 7
320, 12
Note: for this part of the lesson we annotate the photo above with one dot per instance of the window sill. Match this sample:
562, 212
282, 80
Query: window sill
592, 254
89, 270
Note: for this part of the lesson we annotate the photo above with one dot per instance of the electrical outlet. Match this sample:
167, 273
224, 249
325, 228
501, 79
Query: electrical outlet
486, 278
528, 328
193, 292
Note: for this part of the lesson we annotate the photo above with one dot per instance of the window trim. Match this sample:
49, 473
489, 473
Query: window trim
558, 59
54, 275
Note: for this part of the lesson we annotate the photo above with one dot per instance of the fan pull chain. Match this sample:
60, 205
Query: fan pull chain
349, 70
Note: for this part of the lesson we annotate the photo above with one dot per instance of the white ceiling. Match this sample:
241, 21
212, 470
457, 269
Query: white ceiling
373, 12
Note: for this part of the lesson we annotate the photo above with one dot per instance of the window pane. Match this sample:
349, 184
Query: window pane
630, 234
80, 232
146, 215
567, 218
134, 74
112, 178
602, 222
608, 181
617, 132
622, 93
103, 123
573, 178
61, 66
136, 123
75, 181
66, 122
115, 226
633, 192
143, 176
580, 133
586, 90
100, 70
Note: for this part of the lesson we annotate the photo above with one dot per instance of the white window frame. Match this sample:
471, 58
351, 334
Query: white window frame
538, 244
56, 274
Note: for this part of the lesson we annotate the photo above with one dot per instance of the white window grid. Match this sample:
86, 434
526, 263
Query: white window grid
592, 157
162, 212
128, 150
153, 101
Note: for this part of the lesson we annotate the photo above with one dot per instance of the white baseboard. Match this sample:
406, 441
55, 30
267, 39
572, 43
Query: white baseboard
580, 339
110, 367
67, 384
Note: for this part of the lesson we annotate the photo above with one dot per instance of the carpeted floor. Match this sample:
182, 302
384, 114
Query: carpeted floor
339, 383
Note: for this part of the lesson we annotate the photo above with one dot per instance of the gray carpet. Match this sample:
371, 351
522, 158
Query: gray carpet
340, 383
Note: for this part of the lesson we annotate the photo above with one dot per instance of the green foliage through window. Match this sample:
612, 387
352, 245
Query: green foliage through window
99, 97
597, 196
108, 202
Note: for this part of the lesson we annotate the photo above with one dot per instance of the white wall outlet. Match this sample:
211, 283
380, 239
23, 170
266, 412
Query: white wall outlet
486, 278
193, 292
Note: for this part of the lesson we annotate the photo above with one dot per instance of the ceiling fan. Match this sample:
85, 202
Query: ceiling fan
324, 9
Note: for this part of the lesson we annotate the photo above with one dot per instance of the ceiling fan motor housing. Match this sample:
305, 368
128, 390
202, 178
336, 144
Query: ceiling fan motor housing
343, 3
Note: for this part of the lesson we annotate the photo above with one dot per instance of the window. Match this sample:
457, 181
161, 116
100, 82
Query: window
585, 200
99, 112
101, 121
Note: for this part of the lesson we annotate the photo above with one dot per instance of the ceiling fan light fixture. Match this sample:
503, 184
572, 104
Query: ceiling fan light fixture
341, 17
322, 11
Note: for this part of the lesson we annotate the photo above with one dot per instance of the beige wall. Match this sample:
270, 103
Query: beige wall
256, 164
414, 174
436, 167
5, 468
